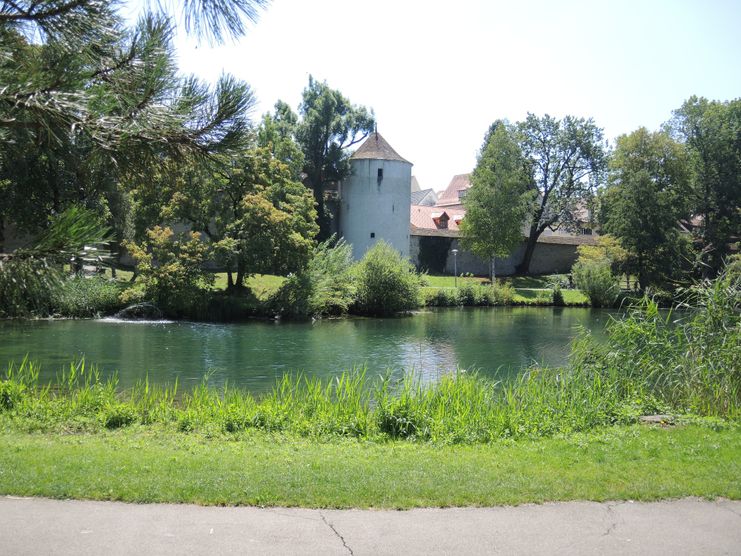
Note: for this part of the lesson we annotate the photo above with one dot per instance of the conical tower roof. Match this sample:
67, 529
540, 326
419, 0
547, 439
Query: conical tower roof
375, 147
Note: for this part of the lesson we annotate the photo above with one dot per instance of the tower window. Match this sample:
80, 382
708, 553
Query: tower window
380, 174
373, 234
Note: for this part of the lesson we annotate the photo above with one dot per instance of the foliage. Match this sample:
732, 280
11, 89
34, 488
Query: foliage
469, 294
386, 282
30, 277
607, 248
88, 103
710, 130
596, 280
276, 133
259, 218
82, 297
170, 268
645, 199
498, 201
433, 253
557, 295
325, 287
565, 161
329, 124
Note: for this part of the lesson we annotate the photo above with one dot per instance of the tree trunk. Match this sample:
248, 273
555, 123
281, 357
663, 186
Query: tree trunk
492, 270
524, 266
229, 279
239, 282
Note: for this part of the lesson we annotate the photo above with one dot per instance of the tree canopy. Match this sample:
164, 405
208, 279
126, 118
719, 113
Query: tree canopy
498, 201
712, 132
565, 161
327, 124
644, 201
87, 101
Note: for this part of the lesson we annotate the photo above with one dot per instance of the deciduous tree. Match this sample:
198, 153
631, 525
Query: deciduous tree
644, 201
328, 124
712, 132
565, 161
498, 202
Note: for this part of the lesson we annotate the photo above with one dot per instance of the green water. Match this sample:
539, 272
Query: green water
254, 354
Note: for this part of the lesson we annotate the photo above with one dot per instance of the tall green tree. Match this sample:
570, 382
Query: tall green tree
326, 126
712, 132
649, 183
498, 202
276, 133
565, 161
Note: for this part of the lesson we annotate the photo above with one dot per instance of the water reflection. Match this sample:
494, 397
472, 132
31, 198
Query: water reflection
255, 354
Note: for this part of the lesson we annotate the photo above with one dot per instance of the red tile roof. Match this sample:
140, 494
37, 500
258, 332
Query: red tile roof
461, 182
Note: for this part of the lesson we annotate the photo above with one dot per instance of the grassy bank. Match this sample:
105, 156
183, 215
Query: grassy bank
147, 465
551, 434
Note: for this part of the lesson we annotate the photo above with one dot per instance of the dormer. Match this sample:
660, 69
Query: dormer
440, 219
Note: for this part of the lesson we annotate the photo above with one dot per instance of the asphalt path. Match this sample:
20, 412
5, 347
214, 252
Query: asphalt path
40, 526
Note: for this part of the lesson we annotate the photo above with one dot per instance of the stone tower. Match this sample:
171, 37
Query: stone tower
376, 198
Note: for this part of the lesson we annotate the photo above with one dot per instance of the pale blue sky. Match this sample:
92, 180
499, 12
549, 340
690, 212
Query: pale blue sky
438, 73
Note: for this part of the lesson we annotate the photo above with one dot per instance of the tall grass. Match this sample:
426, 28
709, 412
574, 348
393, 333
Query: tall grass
681, 363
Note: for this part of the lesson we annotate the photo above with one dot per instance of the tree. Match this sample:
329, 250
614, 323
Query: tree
328, 125
86, 102
565, 161
259, 218
276, 133
712, 132
499, 198
644, 201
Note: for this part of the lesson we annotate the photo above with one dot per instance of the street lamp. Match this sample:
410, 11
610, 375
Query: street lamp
455, 267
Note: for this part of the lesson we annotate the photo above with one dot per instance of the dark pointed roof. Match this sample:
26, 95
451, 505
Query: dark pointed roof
376, 148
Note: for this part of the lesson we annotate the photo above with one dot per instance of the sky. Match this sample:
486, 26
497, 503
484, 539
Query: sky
437, 74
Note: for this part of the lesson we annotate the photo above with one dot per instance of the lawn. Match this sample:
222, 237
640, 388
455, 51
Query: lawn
262, 285
149, 465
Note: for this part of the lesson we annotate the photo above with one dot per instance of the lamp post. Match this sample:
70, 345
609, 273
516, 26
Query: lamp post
455, 267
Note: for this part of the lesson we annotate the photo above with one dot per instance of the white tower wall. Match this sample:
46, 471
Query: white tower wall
374, 208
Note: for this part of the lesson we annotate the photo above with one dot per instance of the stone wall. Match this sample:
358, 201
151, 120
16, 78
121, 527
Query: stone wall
548, 258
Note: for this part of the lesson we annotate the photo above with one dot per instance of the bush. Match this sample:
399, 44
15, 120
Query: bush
325, 287
596, 280
171, 269
557, 295
387, 283
87, 297
26, 286
440, 297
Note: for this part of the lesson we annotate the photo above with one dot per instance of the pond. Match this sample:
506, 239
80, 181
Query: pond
254, 354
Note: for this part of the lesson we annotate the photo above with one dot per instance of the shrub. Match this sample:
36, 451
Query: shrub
440, 297
468, 295
386, 282
26, 286
325, 287
557, 295
171, 268
87, 297
596, 280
